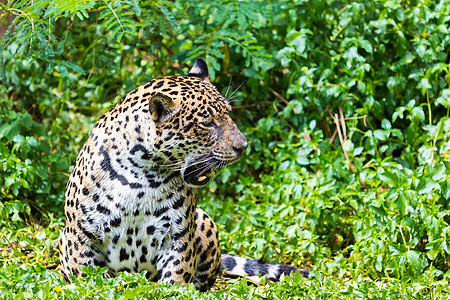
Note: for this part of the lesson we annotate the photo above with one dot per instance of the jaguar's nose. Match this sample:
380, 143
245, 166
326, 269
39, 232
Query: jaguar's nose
240, 143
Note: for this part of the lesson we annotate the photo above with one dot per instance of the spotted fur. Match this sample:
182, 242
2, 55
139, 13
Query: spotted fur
129, 203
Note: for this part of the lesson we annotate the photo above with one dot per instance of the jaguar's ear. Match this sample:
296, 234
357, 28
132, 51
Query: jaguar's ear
200, 70
162, 107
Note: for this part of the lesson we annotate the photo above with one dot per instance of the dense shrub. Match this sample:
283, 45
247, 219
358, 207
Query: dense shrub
345, 104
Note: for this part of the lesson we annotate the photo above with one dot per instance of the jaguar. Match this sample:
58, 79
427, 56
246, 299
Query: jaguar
129, 201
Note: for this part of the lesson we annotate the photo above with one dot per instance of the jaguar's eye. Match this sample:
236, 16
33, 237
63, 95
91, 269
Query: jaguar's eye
208, 123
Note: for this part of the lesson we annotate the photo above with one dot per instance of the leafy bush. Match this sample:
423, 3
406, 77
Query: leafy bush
30, 171
346, 106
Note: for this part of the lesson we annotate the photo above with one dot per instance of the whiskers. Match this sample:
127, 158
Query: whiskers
201, 165
174, 165
205, 166
178, 164
200, 162
228, 88
231, 98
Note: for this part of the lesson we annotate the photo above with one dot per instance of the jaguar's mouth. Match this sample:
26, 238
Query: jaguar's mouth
199, 173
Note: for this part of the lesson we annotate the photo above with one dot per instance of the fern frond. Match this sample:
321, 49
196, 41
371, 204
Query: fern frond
169, 16
244, 43
137, 8
59, 8
117, 20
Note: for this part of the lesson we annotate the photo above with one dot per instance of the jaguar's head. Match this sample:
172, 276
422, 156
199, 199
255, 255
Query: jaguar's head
195, 127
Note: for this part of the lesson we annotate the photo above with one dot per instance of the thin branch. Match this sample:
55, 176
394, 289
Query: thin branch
333, 136
282, 99
344, 127
341, 139
279, 115
341, 131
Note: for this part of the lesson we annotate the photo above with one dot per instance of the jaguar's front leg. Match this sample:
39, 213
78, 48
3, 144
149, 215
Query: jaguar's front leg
177, 262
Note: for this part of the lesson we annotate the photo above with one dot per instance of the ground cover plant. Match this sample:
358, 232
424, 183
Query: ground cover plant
346, 106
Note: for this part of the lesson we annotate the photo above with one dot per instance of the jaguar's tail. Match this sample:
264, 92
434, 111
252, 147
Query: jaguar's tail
240, 266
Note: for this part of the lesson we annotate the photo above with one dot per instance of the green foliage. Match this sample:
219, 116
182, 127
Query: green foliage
38, 282
346, 106
116, 19
30, 171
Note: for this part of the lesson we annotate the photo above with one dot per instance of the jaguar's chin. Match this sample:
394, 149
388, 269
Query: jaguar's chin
199, 173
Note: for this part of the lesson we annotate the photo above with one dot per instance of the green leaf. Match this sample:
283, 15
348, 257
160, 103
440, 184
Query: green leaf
390, 178
299, 43
42, 172
414, 259
284, 165
301, 160
428, 185
26, 120
381, 135
225, 175
10, 130
137, 8
31, 140
424, 85
439, 173
417, 114
348, 146
444, 99
401, 203
169, 16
